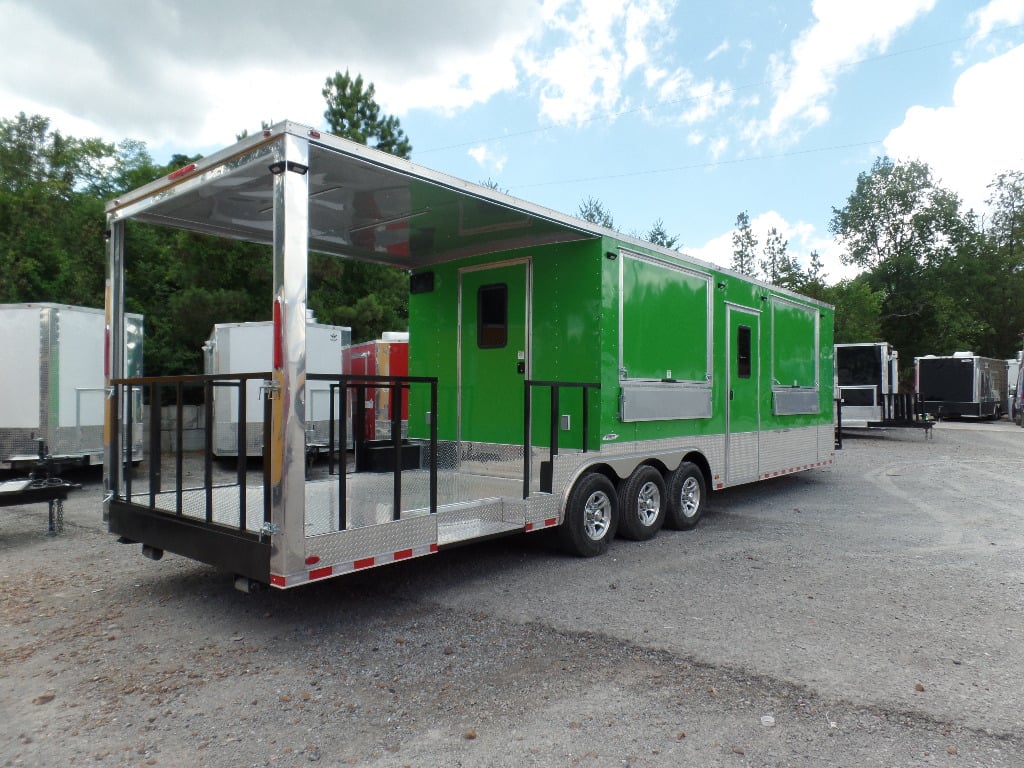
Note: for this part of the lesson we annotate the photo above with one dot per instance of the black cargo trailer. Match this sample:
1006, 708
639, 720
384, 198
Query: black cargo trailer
961, 384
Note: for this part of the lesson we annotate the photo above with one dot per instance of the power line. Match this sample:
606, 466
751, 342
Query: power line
697, 166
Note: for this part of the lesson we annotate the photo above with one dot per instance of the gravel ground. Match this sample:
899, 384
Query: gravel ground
868, 615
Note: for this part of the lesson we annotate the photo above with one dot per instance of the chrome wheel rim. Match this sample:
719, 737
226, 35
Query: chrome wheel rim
648, 504
689, 497
597, 515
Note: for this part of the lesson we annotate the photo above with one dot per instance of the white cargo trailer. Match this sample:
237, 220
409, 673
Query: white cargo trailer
961, 384
52, 377
240, 348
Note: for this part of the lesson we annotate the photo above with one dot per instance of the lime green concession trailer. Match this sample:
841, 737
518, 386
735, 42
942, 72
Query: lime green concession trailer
561, 375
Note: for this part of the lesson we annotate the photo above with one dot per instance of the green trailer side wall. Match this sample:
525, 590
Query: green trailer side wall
433, 351
575, 322
565, 335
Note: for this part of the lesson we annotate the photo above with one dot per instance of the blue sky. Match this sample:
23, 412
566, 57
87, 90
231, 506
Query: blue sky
684, 111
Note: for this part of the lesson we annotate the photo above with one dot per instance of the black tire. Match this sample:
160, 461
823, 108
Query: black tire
642, 502
591, 516
687, 497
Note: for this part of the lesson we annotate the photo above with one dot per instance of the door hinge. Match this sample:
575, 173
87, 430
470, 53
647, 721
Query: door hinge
270, 390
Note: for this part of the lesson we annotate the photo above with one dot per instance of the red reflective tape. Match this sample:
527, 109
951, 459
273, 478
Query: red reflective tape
550, 521
433, 549
320, 573
529, 527
277, 581
278, 344
366, 562
182, 171
403, 554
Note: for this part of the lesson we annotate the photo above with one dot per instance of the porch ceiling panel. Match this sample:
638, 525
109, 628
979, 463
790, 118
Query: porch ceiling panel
363, 204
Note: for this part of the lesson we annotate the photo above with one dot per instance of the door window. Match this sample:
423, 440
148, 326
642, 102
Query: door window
743, 352
492, 316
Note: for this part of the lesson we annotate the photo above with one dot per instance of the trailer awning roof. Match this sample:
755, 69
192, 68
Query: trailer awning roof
363, 204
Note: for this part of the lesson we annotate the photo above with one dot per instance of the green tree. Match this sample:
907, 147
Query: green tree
593, 210
1005, 238
353, 112
492, 184
904, 229
51, 215
658, 235
813, 279
744, 246
857, 310
778, 266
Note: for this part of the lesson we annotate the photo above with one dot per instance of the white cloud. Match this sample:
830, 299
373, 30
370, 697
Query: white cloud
197, 72
843, 33
488, 158
701, 101
718, 147
205, 71
600, 45
996, 14
968, 142
718, 51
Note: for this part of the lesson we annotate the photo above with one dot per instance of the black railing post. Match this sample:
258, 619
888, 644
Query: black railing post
396, 441
243, 448
268, 432
155, 484
555, 387
359, 426
343, 461
179, 448
208, 448
330, 428
433, 446
527, 438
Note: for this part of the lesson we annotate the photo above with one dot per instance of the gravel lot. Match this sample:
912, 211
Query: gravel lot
869, 615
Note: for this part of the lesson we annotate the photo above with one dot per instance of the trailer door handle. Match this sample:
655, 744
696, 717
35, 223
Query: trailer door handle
730, 394
521, 366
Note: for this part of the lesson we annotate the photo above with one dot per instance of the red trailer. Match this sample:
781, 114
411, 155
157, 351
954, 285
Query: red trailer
386, 356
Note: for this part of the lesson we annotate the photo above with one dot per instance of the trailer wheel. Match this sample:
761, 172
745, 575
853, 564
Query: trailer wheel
686, 494
642, 504
591, 516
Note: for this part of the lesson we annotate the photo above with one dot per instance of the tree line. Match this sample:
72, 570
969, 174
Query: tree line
934, 278
53, 189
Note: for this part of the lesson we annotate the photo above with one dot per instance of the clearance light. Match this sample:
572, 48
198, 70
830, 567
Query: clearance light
181, 171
